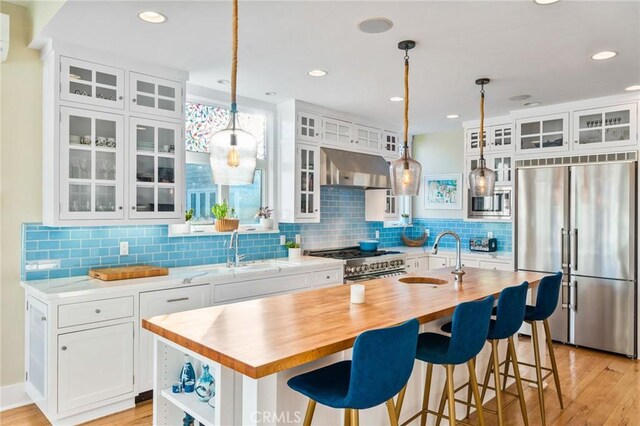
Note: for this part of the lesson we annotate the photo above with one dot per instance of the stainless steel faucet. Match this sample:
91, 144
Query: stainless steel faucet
234, 245
458, 272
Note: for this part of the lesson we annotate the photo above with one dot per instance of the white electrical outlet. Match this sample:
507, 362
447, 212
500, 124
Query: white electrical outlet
377, 234
283, 240
124, 248
426, 232
297, 238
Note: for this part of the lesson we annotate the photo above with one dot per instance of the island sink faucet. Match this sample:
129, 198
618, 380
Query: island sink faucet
458, 272
234, 245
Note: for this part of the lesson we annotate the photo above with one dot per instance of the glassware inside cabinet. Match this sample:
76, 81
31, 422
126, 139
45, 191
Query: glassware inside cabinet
105, 198
552, 133
105, 165
105, 134
166, 169
80, 197
79, 164
80, 130
166, 140
145, 168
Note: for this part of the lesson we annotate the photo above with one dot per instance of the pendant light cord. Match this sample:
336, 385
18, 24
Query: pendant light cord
234, 57
406, 103
482, 123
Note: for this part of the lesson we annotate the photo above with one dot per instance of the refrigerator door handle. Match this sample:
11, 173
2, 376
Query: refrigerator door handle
566, 287
573, 249
575, 294
563, 234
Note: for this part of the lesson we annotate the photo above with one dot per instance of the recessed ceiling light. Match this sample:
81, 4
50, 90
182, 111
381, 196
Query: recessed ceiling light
453, 116
396, 99
606, 54
223, 81
317, 73
634, 87
270, 93
532, 104
375, 25
519, 98
543, 2
152, 17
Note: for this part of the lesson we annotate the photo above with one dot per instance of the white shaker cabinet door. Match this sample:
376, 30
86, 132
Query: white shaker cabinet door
94, 365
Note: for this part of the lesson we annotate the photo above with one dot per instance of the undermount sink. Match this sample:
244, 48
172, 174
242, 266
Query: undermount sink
423, 280
255, 266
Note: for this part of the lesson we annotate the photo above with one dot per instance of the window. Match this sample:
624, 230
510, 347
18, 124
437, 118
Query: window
202, 121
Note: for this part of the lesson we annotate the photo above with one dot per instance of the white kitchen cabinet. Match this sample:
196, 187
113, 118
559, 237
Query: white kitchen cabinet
496, 138
417, 264
94, 365
470, 263
472, 140
328, 277
308, 126
381, 206
91, 165
608, 127
501, 163
91, 83
156, 169
391, 145
538, 135
155, 96
162, 302
307, 183
436, 262
255, 288
336, 132
36, 353
368, 138
496, 266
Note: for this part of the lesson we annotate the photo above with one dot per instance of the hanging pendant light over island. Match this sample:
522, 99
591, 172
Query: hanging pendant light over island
405, 172
482, 180
233, 151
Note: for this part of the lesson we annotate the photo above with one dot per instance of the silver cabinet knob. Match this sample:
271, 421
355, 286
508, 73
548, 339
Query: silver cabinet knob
43, 319
133, 100
119, 207
64, 348
98, 311
120, 97
133, 207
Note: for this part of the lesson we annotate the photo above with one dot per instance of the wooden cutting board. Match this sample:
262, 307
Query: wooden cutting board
128, 272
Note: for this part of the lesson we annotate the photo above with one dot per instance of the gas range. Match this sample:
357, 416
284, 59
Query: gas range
366, 265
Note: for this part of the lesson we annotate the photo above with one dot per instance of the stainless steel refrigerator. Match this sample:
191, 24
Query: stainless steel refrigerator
581, 219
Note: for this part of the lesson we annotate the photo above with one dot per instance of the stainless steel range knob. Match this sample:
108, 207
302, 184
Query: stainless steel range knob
386, 264
365, 267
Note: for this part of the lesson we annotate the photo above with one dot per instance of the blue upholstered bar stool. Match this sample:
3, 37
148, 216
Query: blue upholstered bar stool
509, 318
546, 303
469, 330
381, 365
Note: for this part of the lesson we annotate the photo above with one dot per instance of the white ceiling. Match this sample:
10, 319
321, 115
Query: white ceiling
542, 51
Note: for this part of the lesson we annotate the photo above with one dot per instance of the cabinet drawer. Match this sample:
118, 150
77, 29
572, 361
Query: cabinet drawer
94, 311
258, 288
496, 266
331, 276
465, 262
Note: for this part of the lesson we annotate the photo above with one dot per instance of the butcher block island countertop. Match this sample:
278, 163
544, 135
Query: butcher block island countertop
265, 336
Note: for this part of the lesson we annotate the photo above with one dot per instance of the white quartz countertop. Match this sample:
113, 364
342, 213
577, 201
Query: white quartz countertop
466, 253
191, 275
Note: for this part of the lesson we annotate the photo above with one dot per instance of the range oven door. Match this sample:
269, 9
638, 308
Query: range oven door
367, 277
497, 206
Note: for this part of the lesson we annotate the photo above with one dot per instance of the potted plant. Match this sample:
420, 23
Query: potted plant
183, 228
294, 249
404, 218
266, 221
225, 220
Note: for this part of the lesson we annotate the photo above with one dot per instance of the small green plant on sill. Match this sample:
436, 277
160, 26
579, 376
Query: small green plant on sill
221, 210
264, 213
188, 215
291, 245
405, 215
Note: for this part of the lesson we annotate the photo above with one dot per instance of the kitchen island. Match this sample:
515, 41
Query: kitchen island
254, 347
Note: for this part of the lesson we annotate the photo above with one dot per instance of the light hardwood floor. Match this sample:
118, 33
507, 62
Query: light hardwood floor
598, 389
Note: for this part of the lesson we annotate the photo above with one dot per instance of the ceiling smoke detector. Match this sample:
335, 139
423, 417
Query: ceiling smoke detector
375, 25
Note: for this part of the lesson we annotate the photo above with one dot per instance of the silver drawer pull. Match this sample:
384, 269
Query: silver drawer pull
98, 311
328, 277
178, 299
64, 348
43, 319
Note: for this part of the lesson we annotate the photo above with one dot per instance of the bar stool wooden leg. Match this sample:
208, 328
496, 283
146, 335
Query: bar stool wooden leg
506, 370
398, 406
536, 355
487, 375
451, 395
469, 390
473, 386
552, 355
496, 377
309, 414
425, 398
355, 418
347, 417
391, 408
516, 372
443, 400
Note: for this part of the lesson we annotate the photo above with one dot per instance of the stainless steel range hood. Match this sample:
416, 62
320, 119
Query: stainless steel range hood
345, 168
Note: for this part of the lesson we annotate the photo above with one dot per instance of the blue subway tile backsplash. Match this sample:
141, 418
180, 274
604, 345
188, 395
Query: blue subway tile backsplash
341, 224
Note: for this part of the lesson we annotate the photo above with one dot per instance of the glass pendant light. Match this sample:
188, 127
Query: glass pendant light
233, 151
482, 180
405, 172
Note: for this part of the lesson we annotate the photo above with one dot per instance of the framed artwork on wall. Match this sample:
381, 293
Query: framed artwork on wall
443, 191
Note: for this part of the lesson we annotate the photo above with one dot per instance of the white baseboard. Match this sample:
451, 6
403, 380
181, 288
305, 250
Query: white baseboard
13, 396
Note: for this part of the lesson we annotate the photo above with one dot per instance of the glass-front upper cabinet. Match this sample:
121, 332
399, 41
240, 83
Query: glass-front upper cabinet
90, 83
157, 96
91, 165
501, 137
368, 137
472, 140
155, 165
605, 127
308, 126
308, 185
337, 132
391, 145
548, 133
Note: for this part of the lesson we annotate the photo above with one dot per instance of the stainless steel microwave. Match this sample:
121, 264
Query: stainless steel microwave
498, 206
